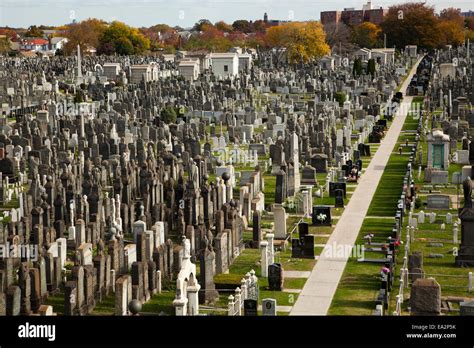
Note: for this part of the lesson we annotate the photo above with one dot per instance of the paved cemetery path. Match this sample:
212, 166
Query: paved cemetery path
319, 290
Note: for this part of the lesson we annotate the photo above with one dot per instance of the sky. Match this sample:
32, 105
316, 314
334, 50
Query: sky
144, 13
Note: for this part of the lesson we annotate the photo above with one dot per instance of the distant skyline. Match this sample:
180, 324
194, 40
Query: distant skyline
144, 13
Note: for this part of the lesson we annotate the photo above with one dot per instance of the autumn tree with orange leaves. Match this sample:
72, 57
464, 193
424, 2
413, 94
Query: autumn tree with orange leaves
367, 35
86, 34
418, 24
304, 41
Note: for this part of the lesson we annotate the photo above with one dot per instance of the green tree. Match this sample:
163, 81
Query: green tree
371, 67
357, 68
412, 24
223, 26
78, 97
34, 31
366, 35
121, 39
340, 98
85, 34
4, 45
304, 41
242, 25
168, 114
451, 26
200, 23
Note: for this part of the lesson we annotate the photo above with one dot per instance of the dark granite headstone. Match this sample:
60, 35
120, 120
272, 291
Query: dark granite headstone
275, 277
250, 307
322, 215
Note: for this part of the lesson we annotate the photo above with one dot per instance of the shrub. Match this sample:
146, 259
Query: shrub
168, 114
227, 281
340, 98
417, 203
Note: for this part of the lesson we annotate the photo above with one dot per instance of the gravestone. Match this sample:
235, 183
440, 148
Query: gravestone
256, 228
333, 186
275, 277
322, 215
269, 307
425, 297
438, 202
308, 176
466, 308
303, 230
339, 199
279, 221
250, 307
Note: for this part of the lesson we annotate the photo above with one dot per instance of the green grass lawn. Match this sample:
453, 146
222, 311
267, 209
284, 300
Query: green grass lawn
282, 298
160, 303
57, 301
293, 264
106, 306
294, 283
269, 190
384, 202
249, 259
453, 280
360, 282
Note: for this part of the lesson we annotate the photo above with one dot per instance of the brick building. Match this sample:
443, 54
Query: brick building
351, 16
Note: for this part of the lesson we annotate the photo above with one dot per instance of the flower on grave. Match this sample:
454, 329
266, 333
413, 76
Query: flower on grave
321, 217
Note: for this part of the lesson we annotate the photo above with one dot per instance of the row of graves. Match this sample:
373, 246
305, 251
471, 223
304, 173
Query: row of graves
432, 229
338, 156
101, 197
390, 248
451, 100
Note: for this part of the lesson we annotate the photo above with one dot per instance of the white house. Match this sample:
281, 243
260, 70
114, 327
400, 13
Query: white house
189, 69
34, 44
225, 64
57, 43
